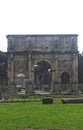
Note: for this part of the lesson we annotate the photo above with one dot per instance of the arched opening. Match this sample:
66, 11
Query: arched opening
20, 83
65, 80
42, 76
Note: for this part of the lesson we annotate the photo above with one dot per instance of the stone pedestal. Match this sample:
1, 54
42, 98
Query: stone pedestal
57, 88
74, 87
12, 90
29, 88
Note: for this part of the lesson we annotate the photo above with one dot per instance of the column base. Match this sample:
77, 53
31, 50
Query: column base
56, 88
29, 87
75, 87
12, 90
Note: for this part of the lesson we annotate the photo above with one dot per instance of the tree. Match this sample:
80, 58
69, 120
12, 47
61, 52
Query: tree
3, 68
80, 68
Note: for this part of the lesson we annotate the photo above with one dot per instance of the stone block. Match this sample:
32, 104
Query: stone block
47, 100
72, 100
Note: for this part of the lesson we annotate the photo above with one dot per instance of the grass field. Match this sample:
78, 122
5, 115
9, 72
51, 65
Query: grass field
36, 115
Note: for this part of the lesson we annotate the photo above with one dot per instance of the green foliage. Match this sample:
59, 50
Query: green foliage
80, 68
3, 57
36, 115
3, 68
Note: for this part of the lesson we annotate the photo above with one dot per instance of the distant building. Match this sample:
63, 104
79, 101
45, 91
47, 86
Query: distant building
43, 63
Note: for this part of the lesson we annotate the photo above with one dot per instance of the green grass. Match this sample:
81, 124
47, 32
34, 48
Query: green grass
36, 115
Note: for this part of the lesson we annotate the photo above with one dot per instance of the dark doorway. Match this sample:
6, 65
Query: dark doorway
65, 80
42, 76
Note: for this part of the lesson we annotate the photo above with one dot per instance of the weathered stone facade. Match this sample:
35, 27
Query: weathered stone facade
58, 52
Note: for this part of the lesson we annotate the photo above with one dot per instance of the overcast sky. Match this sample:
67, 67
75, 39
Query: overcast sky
41, 17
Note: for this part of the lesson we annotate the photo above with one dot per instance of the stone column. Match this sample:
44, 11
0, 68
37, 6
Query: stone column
56, 76
11, 81
77, 68
75, 73
10, 70
56, 70
29, 86
52, 84
29, 68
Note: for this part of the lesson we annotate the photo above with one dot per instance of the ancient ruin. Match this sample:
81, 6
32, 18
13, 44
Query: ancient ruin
45, 63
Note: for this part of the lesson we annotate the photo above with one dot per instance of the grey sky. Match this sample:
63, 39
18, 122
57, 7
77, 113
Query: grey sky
40, 17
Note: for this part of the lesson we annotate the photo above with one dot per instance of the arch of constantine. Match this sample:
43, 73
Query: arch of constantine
47, 63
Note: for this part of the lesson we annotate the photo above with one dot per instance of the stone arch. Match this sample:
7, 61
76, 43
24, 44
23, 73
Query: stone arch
44, 60
42, 75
